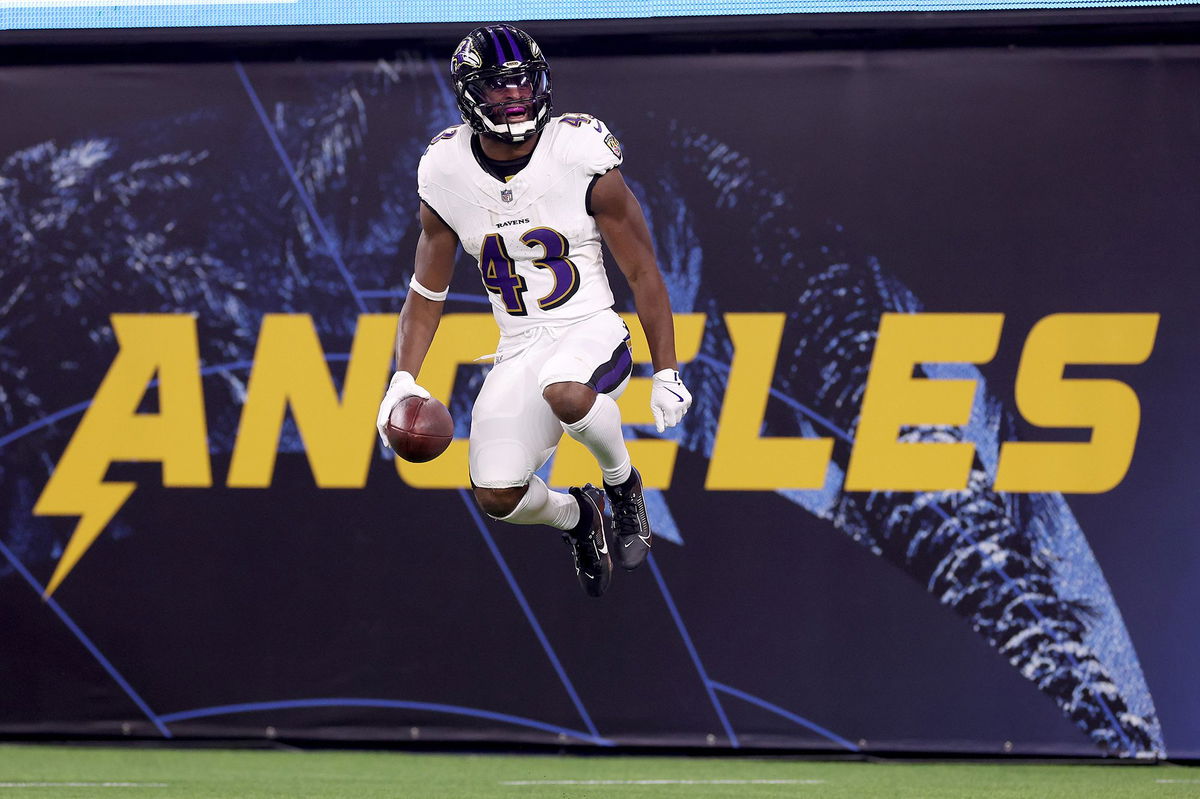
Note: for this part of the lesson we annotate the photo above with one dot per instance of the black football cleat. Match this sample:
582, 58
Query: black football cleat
593, 565
630, 525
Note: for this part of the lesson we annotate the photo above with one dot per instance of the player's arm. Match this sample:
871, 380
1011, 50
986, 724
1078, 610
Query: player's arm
422, 311
624, 228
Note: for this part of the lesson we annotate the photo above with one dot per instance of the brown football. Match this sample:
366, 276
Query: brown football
419, 429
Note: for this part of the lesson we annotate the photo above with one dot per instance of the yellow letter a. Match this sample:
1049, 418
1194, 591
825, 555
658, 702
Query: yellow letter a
113, 430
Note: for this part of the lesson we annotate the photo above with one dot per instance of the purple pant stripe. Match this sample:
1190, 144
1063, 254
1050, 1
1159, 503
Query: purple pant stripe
613, 372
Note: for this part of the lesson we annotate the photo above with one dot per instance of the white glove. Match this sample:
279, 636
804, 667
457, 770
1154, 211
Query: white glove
669, 399
403, 385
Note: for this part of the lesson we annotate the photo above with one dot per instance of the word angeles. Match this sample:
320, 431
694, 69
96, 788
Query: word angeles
290, 373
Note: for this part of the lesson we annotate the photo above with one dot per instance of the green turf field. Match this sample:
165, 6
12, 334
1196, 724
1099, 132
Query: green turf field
60, 772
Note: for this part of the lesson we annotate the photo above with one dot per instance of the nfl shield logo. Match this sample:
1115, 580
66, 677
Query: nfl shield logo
506, 195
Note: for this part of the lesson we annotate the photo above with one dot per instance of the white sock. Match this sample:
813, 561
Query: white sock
540, 505
600, 432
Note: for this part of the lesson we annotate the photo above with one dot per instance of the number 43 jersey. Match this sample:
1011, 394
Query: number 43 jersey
537, 244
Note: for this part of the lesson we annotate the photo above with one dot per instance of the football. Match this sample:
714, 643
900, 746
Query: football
419, 429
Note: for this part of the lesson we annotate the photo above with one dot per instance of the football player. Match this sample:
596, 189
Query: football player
531, 195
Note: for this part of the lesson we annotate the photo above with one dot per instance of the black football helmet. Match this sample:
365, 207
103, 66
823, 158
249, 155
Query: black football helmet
501, 82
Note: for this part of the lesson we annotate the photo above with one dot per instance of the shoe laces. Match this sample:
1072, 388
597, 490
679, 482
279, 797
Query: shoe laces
584, 549
569, 540
624, 514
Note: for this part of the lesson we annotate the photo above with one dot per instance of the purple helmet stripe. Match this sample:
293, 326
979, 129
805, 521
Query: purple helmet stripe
513, 43
500, 59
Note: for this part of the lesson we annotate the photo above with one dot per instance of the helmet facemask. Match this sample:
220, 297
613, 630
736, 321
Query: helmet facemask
511, 104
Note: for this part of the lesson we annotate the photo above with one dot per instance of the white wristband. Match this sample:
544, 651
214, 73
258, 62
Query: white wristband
429, 294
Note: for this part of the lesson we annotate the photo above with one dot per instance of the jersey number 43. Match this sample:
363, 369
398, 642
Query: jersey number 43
500, 276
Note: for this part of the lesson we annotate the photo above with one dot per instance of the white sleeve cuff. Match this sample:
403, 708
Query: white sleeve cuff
429, 294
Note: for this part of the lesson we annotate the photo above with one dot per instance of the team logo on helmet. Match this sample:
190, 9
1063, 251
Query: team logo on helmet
466, 55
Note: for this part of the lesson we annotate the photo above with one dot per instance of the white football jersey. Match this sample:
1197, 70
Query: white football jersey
537, 246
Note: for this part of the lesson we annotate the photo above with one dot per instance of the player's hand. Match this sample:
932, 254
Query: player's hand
669, 399
403, 385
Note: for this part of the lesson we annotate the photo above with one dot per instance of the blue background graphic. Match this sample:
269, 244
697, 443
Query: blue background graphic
830, 187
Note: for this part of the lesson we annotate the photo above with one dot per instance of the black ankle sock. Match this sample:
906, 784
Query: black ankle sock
628, 484
586, 513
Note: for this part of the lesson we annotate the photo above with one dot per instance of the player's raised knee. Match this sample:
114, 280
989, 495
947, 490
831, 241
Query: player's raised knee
569, 401
499, 502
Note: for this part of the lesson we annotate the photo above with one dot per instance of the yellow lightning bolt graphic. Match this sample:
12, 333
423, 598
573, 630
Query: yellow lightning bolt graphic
113, 430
